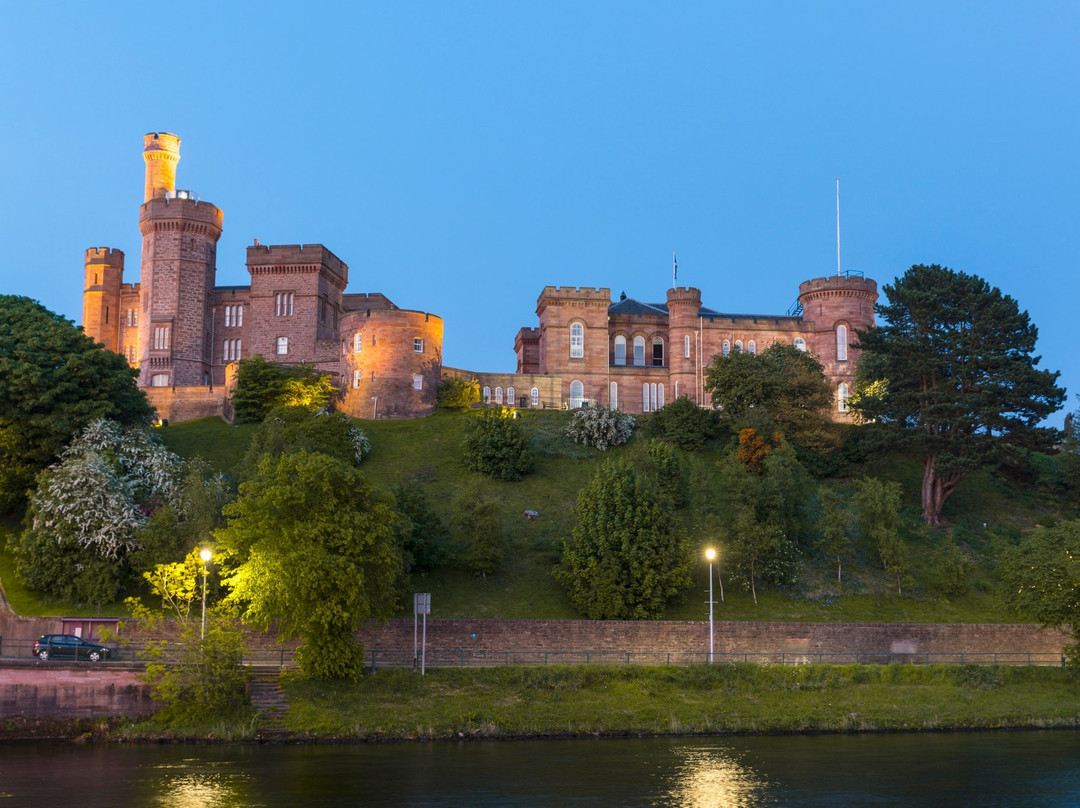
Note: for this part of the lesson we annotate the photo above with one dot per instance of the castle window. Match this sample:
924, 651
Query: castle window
230, 350
282, 346
751, 348
738, 345
800, 343
161, 339
417, 382
487, 395
534, 396
234, 316
132, 317
511, 396
613, 396
283, 304
159, 380
658, 352
498, 395
639, 351
129, 352
676, 389
577, 341
577, 394
652, 397
106, 314
418, 345
841, 343
645, 397
358, 342
725, 348
842, 397
357, 377
685, 348
620, 350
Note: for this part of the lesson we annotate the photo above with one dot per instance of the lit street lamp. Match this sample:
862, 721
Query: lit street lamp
710, 554
205, 555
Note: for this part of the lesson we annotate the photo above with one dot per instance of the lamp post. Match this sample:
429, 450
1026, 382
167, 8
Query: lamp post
710, 554
205, 555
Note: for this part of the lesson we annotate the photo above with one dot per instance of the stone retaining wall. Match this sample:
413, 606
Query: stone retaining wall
72, 691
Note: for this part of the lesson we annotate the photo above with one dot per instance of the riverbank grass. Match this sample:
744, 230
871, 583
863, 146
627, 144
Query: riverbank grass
728, 698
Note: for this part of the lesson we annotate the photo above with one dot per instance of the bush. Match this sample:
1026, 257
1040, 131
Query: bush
477, 527
294, 428
263, 385
600, 427
457, 393
684, 424
497, 445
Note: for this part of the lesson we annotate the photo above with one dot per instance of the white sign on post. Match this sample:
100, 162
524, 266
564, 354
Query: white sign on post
421, 606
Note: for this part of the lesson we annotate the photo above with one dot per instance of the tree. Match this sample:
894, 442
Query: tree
477, 526
782, 384
1041, 578
956, 377
600, 427
497, 445
263, 385
54, 380
626, 560
424, 537
293, 428
313, 552
682, 423
456, 393
834, 538
877, 513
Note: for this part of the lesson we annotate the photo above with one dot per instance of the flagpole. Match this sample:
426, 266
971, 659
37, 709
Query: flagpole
838, 227
674, 269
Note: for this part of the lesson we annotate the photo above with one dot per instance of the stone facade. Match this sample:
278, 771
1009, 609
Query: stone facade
184, 333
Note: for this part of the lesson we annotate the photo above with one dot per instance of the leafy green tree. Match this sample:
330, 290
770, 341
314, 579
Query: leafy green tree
261, 386
950, 569
456, 393
497, 445
877, 514
424, 537
314, 554
1041, 578
834, 538
683, 423
659, 463
956, 377
293, 428
782, 383
477, 526
626, 559
764, 507
54, 381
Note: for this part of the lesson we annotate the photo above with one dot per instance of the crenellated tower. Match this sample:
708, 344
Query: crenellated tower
684, 308
179, 264
103, 276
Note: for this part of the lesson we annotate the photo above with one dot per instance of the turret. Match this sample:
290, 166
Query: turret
103, 275
684, 306
161, 151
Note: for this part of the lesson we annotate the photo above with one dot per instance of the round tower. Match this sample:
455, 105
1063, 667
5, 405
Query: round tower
684, 308
103, 274
161, 151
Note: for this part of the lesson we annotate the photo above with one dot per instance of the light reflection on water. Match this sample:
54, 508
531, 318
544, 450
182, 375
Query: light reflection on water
196, 783
714, 777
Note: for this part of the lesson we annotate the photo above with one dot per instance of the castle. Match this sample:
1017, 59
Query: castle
185, 334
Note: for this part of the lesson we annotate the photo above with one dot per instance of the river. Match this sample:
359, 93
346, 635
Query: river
987, 769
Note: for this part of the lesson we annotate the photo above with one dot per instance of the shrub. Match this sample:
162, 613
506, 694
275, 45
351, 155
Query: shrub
457, 393
683, 423
477, 527
263, 385
600, 427
497, 445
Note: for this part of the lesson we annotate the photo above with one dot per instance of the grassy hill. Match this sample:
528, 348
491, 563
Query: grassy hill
988, 510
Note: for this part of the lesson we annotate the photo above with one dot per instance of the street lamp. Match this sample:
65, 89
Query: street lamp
205, 555
710, 554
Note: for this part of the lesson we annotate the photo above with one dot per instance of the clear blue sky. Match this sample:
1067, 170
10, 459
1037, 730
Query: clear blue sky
460, 156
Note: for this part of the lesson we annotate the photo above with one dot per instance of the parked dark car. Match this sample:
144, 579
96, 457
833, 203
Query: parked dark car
68, 646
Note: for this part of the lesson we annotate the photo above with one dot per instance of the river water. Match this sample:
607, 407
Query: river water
987, 769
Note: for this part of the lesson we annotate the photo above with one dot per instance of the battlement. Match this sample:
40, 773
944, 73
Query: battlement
303, 257
684, 295
573, 296
846, 284
104, 256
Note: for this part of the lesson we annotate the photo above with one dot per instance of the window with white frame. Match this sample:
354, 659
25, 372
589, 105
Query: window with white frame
498, 395
417, 382
645, 397
842, 397
686, 347
230, 350
234, 316
800, 343
511, 396
358, 342
620, 350
841, 343
577, 394
129, 352
577, 340
725, 347
357, 377
132, 317
161, 338
639, 351
738, 345
282, 345
418, 345
159, 380
652, 396
534, 396
751, 348
487, 395
613, 396
676, 389
283, 304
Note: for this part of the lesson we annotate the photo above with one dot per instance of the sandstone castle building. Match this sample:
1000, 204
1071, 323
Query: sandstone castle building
184, 333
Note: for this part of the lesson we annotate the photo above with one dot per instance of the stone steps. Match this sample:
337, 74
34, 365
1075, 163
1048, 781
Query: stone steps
268, 698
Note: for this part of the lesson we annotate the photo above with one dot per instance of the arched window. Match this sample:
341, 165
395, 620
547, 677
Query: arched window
639, 350
645, 397
658, 352
659, 402
577, 340
738, 345
725, 347
686, 347
841, 343
800, 343
751, 348
487, 395
620, 350
842, 397
676, 389
534, 396
511, 396
577, 393
613, 396
498, 395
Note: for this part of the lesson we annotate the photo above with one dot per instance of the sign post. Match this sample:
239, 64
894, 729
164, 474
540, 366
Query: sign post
421, 606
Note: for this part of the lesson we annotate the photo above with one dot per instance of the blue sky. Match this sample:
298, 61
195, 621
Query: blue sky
460, 156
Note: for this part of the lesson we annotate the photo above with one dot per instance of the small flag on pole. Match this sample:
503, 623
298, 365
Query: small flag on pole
674, 268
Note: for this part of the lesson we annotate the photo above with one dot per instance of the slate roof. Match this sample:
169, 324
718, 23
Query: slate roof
631, 307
